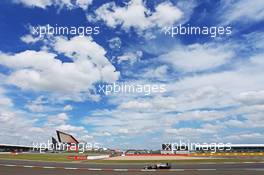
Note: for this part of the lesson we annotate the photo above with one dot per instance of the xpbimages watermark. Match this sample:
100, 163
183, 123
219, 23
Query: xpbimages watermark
123, 88
76, 147
212, 31
190, 146
41, 31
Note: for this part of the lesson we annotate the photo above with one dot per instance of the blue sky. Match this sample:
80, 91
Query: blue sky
214, 85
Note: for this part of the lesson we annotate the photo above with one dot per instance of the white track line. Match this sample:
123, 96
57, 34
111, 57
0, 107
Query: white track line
255, 169
9, 165
70, 168
28, 166
95, 169
230, 162
48, 167
206, 169
142, 170
120, 169
147, 170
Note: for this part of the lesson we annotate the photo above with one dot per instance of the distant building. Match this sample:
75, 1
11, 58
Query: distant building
239, 148
169, 148
66, 138
132, 151
14, 148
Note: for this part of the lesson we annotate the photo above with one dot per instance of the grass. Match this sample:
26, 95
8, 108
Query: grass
38, 157
64, 158
218, 160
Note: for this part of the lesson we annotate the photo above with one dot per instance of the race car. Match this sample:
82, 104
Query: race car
158, 166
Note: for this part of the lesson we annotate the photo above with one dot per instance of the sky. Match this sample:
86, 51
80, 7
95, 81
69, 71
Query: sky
213, 85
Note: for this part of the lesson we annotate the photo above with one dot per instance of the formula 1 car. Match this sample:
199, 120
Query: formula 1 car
158, 166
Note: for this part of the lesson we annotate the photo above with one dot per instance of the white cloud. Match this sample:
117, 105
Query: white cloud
243, 11
29, 39
68, 108
166, 14
62, 122
35, 3
135, 115
127, 16
115, 43
84, 4
59, 119
42, 71
4, 100
206, 132
246, 137
201, 115
135, 105
198, 57
198, 98
82, 48
71, 129
189, 131
38, 105
109, 74
29, 59
136, 15
251, 97
131, 57
255, 40
249, 123
17, 129
122, 122
213, 90
159, 72
257, 60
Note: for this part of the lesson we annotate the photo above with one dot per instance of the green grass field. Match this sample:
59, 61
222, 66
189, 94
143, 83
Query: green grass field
218, 160
38, 157
64, 158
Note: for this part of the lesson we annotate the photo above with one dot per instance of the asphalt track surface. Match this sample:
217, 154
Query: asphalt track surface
16, 167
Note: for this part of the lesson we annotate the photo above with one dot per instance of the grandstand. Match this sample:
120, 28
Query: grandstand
169, 148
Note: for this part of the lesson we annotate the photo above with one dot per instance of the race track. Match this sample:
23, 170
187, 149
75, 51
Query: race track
14, 167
